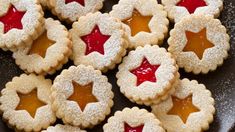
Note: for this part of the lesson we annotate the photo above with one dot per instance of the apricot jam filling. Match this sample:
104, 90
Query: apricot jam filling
29, 102
40, 45
82, 94
138, 23
183, 107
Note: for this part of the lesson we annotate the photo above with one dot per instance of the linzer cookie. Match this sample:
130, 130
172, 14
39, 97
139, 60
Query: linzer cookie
145, 21
20, 23
82, 96
199, 43
26, 104
133, 120
98, 40
71, 10
178, 9
189, 109
63, 128
147, 74
48, 52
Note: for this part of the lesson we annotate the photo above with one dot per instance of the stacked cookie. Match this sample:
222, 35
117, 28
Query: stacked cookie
81, 96
147, 74
21, 23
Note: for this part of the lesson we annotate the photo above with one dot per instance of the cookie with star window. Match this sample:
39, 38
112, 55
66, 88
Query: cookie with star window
25, 103
133, 120
178, 9
20, 23
147, 74
48, 52
189, 109
71, 10
145, 21
98, 40
199, 43
82, 96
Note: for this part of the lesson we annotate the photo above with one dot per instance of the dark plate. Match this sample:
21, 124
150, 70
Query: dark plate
221, 82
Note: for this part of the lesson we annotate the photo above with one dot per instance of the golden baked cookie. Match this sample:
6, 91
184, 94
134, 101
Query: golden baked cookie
48, 52
133, 120
199, 43
26, 104
82, 96
147, 74
98, 40
145, 21
71, 10
20, 23
178, 9
189, 109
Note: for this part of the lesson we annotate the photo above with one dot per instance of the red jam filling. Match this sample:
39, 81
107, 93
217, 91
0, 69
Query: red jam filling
81, 2
145, 72
12, 19
95, 41
128, 128
191, 5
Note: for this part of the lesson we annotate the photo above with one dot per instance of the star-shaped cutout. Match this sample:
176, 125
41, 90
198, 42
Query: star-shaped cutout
128, 128
12, 19
192, 5
197, 42
183, 107
145, 72
138, 22
40, 45
95, 41
82, 94
81, 2
29, 102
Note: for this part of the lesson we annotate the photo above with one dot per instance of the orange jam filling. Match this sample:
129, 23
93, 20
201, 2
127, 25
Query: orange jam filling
82, 94
197, 42
29, 102
183, 107
40, 45
138, 23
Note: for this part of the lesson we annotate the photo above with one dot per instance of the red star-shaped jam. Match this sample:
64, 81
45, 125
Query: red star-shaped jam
81, 2
192, 5
145, 72
12, 19
128, 128
95, 41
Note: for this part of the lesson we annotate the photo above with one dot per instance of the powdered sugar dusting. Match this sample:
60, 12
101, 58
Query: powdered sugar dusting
229, 22
227, 92
227, 104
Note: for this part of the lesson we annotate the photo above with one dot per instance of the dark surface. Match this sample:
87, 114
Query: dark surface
221, 82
